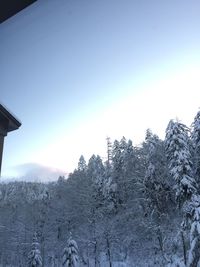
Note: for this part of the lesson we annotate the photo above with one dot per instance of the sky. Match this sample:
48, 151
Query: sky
75, 72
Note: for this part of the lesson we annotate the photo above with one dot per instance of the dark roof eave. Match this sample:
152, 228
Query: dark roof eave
14, 123
9, 8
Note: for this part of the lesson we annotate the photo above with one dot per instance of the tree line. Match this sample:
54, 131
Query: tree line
140, 206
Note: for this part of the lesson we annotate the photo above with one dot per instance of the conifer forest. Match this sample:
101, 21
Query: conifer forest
138, 208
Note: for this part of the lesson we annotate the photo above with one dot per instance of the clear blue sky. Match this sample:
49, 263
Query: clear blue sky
70, 68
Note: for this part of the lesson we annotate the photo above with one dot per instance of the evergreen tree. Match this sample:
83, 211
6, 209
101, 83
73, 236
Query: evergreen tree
117, 157
82, 166
70, 253
180, 164
96, 174
34, 257
193, 212
156, 182
118, 161
177, 146
115, 173
195, 140
96, 171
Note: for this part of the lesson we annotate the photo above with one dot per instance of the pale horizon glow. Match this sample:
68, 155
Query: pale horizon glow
130, 117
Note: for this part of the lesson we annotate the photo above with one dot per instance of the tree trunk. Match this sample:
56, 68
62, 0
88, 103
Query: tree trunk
184, 248
109, 252
95, 253
88, 259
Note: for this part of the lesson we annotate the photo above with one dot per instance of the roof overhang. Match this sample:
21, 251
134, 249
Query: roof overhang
8, 120
9, 8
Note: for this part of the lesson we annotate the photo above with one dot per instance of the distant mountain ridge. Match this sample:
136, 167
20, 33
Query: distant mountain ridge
34, 172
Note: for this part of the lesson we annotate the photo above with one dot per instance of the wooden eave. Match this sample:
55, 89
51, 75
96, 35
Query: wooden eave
7, 118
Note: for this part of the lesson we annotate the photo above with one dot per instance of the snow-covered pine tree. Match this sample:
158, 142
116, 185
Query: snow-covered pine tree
82, 166
129, 157
129, 169
156, 184
34, 257
195, 141
116, 156
117, 179
112, 180
193, 210
70, 253
180, 164
96, 171
96, 174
